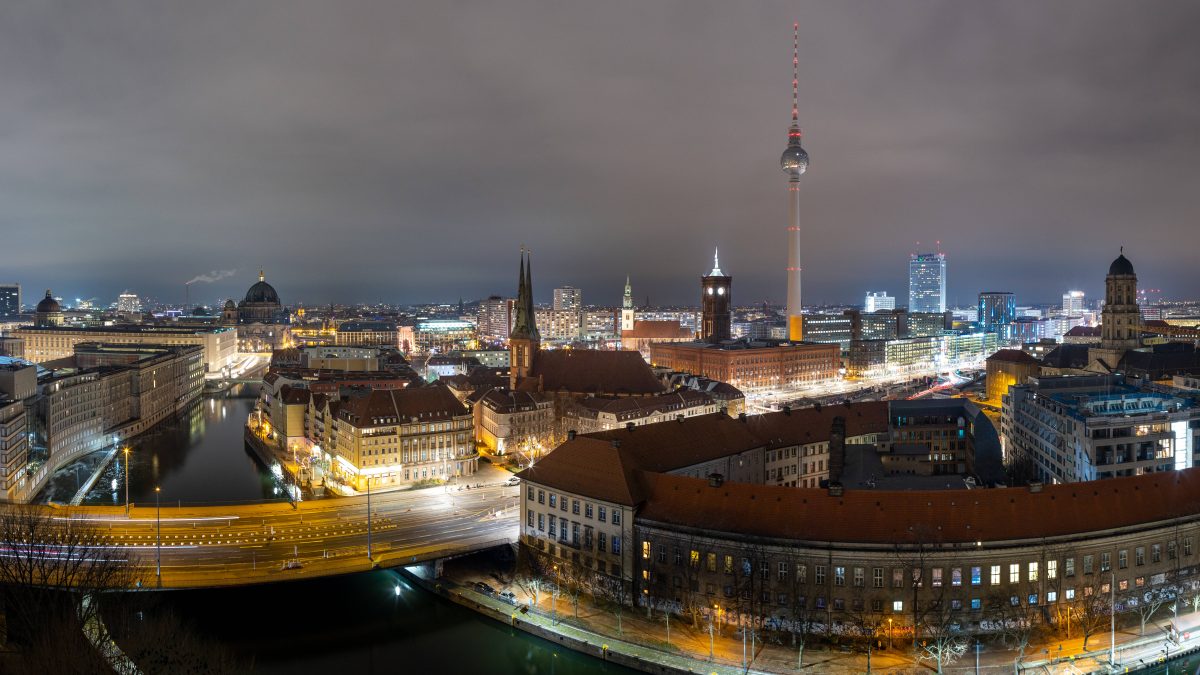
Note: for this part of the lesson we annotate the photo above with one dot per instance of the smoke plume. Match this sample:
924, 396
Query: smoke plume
215, 275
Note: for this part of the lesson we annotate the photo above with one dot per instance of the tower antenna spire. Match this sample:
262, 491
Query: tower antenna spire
796, 72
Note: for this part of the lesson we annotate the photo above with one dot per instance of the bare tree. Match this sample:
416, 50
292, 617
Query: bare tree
1146, 603
1017, 623
1091, 609
801, 617
532, 572
50, 564
941, 641
613, 595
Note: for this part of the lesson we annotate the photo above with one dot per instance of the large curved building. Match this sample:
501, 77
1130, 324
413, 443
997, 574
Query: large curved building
690, 515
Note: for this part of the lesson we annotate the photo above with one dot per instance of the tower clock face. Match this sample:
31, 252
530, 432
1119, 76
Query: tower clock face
721, 291
710, 291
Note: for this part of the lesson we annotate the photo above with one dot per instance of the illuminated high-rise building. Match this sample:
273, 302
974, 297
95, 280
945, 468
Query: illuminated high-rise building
996, 308
568, 299
927, 283
10, 299
794, 163
128, 302
1073, 303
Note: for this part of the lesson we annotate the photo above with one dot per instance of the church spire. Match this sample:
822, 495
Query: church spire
524, 324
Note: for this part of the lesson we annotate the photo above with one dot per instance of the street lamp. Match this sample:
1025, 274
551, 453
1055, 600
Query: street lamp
158, 533
126, 449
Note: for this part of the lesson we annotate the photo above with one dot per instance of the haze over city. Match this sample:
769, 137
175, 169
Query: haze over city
404, 153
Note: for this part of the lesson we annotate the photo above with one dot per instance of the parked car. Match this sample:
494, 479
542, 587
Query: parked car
509, 596
292, 564
513, 481
484, 588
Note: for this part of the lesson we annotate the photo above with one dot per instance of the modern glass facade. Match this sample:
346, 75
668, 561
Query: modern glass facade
10, 299
996, 308
927, 282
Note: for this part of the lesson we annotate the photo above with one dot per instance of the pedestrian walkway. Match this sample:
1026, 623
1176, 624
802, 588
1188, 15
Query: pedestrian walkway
675, 643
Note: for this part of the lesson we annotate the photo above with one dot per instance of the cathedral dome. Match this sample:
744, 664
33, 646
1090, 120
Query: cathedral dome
48, 304
1120, 266
230, 305
262, 292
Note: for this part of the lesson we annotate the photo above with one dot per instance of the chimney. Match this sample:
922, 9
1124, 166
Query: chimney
571, 435
787, 410
837, 449
679, 418
715, 480
629, 426
742, 417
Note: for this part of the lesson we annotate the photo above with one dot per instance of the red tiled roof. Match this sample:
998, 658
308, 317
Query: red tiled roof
1084, 331
593, 468
1013, 356
668, 446
942, 516
432, 403
587, 371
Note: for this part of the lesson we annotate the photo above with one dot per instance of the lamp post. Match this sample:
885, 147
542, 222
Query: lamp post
158, 534
1112, 620
126, 449
889, 632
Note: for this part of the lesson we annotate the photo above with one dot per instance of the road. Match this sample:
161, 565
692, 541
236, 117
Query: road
232, 545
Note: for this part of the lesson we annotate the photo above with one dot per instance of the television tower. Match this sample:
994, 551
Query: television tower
794, 163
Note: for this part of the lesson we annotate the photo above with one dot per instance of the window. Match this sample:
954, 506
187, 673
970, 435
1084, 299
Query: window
541, 522
876, 605
710, 589
937, 577
877, 577
728, 590
695, 558
976, 604
839, 576
783, 571
1123, 585
541, 496
1088, 564
1105, 562
553, 500
1069, 567
1033, 598
600, 543
859, 576
551, 530
1171, 550
764, 570
820, 602
897, 578
1122, 559
1187, 545
746, 567
676, 555
662, 553
616, 545
1155, 553
529, 518
820, 574
587, 510
1051, 569
955, 604
1069, 594
995, 575
728, 567
712, 562
976, 576
783, 598
562, 503
575, 506
602, 514
1139, 582
1033, 572
897, 605
616, 517
1014, 573
840, 604
956, 576
802, 573
529, 494
1139, 555
575, 535
645, 550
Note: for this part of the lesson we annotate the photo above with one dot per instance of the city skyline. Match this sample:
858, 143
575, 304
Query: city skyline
164, 168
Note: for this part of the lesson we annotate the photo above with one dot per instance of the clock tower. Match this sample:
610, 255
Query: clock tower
715, 301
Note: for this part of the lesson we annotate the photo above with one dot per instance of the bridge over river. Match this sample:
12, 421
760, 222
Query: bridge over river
212, 546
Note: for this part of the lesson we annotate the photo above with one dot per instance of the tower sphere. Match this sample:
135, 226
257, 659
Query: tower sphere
794, 160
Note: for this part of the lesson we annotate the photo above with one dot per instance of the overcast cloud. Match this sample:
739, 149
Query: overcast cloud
402, 152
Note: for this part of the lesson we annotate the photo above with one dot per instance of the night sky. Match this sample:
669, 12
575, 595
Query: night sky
403, 152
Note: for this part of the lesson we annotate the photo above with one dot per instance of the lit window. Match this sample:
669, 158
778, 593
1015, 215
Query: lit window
976, 576
897, 605
1014, 573
995, 575
645, 550
1033, 572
